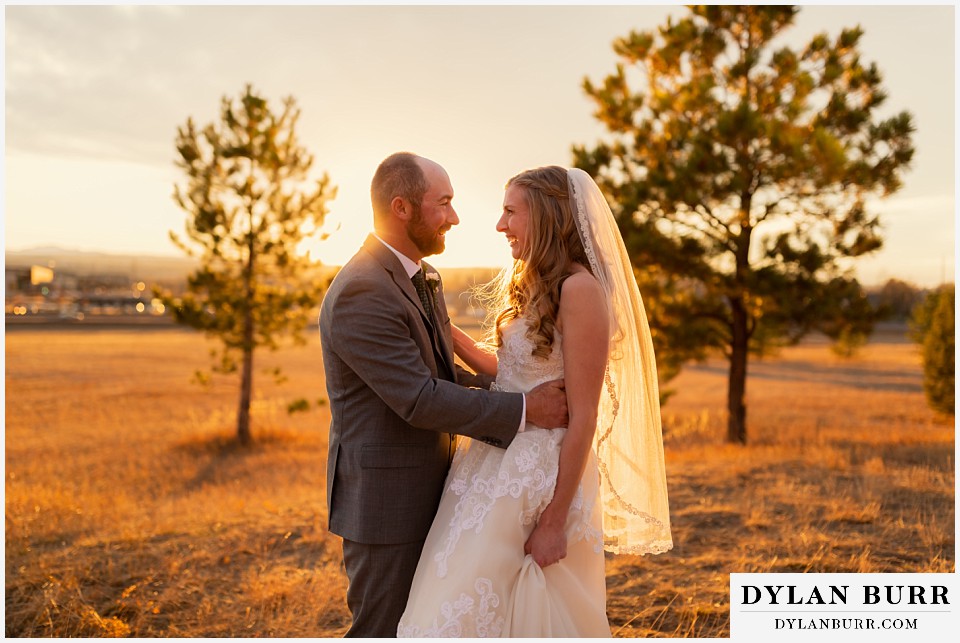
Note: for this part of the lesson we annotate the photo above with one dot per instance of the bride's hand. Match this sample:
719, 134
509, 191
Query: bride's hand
547, 544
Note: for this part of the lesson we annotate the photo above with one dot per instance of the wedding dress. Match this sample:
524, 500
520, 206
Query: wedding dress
473, 579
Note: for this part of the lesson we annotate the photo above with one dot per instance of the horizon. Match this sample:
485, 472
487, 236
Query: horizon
45, 250
95, 180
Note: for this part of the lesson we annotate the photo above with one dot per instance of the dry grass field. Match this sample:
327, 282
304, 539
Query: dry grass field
129, 510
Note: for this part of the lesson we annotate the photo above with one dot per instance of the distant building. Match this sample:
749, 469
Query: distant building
40, 275
38, 292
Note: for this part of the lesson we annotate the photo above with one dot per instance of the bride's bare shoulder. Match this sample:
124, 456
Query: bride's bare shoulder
582, 303
580, 288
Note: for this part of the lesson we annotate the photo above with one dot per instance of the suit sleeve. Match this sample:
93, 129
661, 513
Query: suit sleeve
375, 342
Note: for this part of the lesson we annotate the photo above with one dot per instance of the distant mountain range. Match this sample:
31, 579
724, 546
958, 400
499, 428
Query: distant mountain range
84, 263
53, 250
150, 268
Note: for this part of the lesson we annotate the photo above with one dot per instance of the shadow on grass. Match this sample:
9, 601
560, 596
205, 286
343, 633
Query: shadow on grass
242, 580
854, 377
222, 455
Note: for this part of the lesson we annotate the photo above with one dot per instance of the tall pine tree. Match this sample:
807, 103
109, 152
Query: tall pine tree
250, 204
739, 172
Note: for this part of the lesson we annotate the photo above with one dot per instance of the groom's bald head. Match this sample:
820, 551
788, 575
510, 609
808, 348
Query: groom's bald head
399, 175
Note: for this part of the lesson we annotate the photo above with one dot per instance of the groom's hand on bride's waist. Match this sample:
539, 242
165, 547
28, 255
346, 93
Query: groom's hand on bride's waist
547, 405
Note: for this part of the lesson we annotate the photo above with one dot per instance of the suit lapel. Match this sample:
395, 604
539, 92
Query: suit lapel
389, 261
392, 265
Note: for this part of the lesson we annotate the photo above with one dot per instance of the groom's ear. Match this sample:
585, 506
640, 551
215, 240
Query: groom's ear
401, 208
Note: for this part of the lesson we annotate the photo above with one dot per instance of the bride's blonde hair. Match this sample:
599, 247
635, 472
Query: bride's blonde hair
531, 286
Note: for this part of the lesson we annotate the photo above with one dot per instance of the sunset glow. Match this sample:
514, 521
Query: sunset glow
95, 94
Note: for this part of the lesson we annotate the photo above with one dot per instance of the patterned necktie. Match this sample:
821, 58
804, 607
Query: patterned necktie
420, 283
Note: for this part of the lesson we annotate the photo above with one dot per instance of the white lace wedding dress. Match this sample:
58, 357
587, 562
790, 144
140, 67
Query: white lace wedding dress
473, 579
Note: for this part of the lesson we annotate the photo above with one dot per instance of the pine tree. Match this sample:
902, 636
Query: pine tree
934, 328
739, 175
250, 204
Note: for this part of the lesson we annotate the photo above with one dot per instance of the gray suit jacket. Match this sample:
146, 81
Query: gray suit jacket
393, 411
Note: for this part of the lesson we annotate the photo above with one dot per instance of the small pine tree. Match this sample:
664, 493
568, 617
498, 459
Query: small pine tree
250, 205
938, 351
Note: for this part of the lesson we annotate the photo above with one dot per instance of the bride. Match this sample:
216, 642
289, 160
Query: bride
516, 548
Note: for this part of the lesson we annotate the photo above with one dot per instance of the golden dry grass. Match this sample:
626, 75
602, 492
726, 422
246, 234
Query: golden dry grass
129, 510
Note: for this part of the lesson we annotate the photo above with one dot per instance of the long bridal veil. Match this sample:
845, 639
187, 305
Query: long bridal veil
628, 441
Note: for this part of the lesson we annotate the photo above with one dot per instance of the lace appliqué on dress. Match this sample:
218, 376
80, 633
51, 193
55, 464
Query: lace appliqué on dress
517, 368
486, 623
528, 468
479, 483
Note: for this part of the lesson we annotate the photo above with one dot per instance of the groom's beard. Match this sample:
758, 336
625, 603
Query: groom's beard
428, 241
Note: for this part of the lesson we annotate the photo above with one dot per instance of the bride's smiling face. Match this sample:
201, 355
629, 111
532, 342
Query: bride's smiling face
515, 219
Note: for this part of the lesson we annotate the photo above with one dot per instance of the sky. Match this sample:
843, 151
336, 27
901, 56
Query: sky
94, 96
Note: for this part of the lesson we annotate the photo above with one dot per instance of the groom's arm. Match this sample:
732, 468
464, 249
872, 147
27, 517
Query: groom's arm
475, 380
371, 335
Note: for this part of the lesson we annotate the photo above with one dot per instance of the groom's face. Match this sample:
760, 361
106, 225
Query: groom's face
428, 226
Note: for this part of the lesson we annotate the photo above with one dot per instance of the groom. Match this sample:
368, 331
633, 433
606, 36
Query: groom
397, 398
